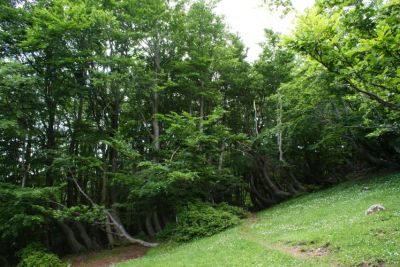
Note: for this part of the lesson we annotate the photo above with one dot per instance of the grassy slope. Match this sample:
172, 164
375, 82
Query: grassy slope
285, 234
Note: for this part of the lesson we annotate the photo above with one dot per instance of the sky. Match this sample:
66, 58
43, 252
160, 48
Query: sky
249, 19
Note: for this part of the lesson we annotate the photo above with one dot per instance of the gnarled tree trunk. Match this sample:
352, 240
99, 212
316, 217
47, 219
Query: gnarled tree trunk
156, 222
149, 225
74, 244
84, 236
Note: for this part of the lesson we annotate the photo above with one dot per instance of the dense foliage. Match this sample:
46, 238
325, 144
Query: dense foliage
197, 219
35, 255
115, 115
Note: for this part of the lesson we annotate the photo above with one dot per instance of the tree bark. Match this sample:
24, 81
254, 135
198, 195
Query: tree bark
156, 125
149, 226
156, 98
221, 157
297, 183
51, 141
51, 107
125, 234
156, 222
279, 129
275, 190
201, 113
84, 236
27, 160
71, 239
109, 233
104, 180
118, 226
255, 117
265, 202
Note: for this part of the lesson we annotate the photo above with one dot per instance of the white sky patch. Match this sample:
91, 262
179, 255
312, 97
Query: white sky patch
249, 19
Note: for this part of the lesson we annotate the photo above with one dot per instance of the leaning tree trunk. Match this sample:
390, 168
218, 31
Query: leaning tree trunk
125, 234
114, 222
156, 222
71, 239
275, 190
262, 200
264, 191
296, 182
109, 233
84, 236
149, 226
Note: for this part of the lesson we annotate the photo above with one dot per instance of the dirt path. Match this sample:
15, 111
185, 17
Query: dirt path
107, 257
293, 251
247, 234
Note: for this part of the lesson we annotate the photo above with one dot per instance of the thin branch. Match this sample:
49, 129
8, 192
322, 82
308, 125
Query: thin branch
173, 154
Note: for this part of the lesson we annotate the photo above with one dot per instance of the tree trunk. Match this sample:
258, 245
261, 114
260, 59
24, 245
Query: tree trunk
275, 190
27, 160
115, 215
84, 236
265, 202
201, 106
95, 236
156, 222
104, 182
279, 129
109, 233
221, 157
255, 117
74, 244
125, 234
51, 107
156, 126
201, 113
297, 183
149, 226
51, 141
112, 221
156, 99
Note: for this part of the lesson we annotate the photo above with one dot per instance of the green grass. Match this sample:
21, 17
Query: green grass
283, 235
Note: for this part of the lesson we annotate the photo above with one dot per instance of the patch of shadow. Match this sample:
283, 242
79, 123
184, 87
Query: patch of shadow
106, 258
378, 263
300, 243
378, 232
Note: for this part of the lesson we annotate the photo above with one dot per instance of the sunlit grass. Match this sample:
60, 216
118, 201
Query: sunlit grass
282, 235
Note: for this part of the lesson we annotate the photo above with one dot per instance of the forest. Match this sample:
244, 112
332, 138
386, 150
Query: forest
128, 121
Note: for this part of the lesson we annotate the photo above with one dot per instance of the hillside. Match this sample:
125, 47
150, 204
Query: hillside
326, 228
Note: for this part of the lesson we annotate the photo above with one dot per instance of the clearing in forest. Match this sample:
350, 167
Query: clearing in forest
326, 228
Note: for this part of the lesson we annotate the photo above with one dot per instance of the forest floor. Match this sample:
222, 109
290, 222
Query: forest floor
107, 258
324, 228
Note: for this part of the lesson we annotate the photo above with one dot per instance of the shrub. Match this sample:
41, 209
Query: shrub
238, 211
199, 219
35, 255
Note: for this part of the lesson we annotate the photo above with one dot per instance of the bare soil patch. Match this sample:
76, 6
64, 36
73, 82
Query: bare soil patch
313, 251
107, 257
379, 263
